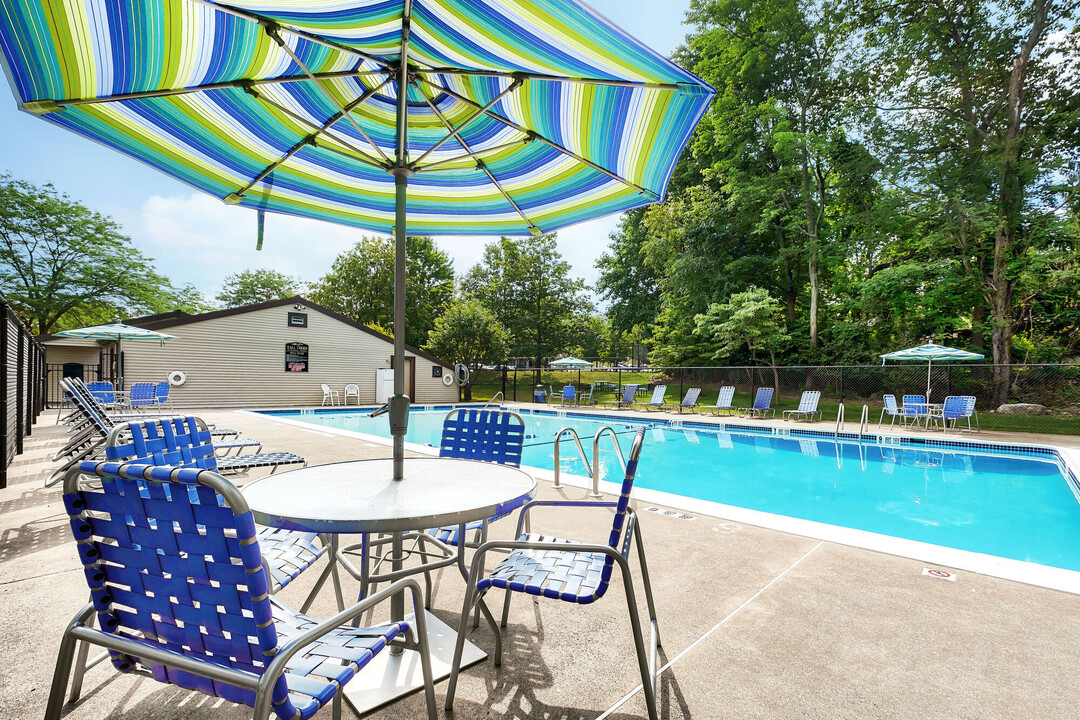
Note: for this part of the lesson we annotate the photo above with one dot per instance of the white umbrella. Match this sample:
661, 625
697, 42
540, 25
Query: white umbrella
117, 332
929, 353
569, 363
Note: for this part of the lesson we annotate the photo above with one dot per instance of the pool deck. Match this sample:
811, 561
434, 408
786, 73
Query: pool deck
756, 623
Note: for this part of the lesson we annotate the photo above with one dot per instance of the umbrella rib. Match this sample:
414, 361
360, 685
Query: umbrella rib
310, 37
456, 131
53, 105
550, 143
480, 164
364, 157
552, 78
472, 156
310, 139
272, 30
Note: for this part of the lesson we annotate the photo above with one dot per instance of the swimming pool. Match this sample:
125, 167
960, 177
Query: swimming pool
1012, 504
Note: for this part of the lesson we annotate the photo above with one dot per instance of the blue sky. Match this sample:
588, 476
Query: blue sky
197, 239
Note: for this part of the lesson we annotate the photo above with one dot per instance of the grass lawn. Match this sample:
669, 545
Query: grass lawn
487, 383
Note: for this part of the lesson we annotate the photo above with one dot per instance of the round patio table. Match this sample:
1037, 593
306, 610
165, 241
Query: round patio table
362, 497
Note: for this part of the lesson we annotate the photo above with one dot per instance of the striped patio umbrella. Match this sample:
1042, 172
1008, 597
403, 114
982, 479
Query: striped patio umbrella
929, 353
118, 333
501, 117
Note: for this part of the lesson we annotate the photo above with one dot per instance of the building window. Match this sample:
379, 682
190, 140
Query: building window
436, 371
296, 357
297, 319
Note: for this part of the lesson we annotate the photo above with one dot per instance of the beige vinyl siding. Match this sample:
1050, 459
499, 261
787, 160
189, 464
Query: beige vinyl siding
239, 361
84, 352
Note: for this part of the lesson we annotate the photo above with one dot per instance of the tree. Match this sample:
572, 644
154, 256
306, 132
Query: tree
360, 285
63, 265
527, 285
750, 319
977, 109
627, 282
467, 332
255, 286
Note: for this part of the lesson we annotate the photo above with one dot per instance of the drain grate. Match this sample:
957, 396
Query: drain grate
670, 513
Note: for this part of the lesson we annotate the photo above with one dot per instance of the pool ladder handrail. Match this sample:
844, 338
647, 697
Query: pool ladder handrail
492, 400
839, 420
864, 422
577, 441
596, 457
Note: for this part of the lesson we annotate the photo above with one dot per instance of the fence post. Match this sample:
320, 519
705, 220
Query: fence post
515, 382
31, 385
504, 381
20, 391
4, 380
841, 383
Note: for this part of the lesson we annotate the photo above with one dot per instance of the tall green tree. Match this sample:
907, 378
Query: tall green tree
977, 112
252, 286
63, 265
466, 332
751, 319
360, 285
527, 285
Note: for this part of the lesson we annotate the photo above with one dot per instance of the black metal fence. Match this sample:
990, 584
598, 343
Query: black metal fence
1041, 398
22, 382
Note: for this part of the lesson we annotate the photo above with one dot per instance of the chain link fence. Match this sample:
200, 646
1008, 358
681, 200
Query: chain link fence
1041, 398
22, 373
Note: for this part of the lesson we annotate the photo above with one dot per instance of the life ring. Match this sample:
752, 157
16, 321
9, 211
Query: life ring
177, 378
447, 380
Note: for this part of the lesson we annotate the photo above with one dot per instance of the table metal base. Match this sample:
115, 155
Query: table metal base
388, 676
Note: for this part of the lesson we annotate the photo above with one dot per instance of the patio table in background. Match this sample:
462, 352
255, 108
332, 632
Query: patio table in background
362, 497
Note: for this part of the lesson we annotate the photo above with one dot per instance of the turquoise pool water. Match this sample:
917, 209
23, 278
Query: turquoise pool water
1018, 508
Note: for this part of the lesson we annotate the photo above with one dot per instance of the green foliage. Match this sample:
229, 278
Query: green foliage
527, 285
466, 332
249, 287
360, 285
63, 265
751, 319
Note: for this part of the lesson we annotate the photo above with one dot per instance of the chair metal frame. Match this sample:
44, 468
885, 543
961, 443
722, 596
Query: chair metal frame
625, 531
762, 403
173, 515
657, 399
808, 406
726, 394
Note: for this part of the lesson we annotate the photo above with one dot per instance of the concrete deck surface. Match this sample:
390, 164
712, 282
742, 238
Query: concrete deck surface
755, 623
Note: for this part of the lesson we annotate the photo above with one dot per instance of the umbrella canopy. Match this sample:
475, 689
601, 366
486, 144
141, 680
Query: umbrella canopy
929, 353
118, 333
457, 117
570, 362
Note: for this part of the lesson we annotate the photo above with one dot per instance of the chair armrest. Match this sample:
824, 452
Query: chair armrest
475, 571
286, 651
557, 503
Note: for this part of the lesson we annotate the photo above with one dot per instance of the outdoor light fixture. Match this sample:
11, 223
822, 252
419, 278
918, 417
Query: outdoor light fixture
300, 307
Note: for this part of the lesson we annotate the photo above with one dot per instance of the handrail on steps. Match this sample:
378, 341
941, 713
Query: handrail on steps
839, 419
864, 423
577, 441
492, 400
596, 457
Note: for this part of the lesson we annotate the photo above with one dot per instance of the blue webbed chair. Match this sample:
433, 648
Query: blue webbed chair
914, 409
161, 393
184, 442
102, 390
955, 409
172, 560
569, 395
762, 403
689, 401
891, 409
580, 573
627, 399
723, 401
142, 395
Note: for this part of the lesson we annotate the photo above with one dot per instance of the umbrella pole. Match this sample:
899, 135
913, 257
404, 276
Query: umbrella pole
399, 403
929, 366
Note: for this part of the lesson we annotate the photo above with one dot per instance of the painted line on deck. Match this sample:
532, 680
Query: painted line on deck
709, 632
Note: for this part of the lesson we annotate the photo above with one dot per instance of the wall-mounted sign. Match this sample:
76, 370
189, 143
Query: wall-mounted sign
296, 357
297, 319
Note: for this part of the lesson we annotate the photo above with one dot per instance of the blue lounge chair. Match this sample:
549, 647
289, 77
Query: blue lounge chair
891, 409
173, 563
569, 395
627, 398
723, 401
656, 402
544, 566
689, 401
914, 409
955, 409
762, 404
183, 442
808, 406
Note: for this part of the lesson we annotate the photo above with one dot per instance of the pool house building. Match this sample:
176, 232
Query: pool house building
271, 354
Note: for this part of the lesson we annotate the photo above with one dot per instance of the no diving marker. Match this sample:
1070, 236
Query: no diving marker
670, 513
939, 574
